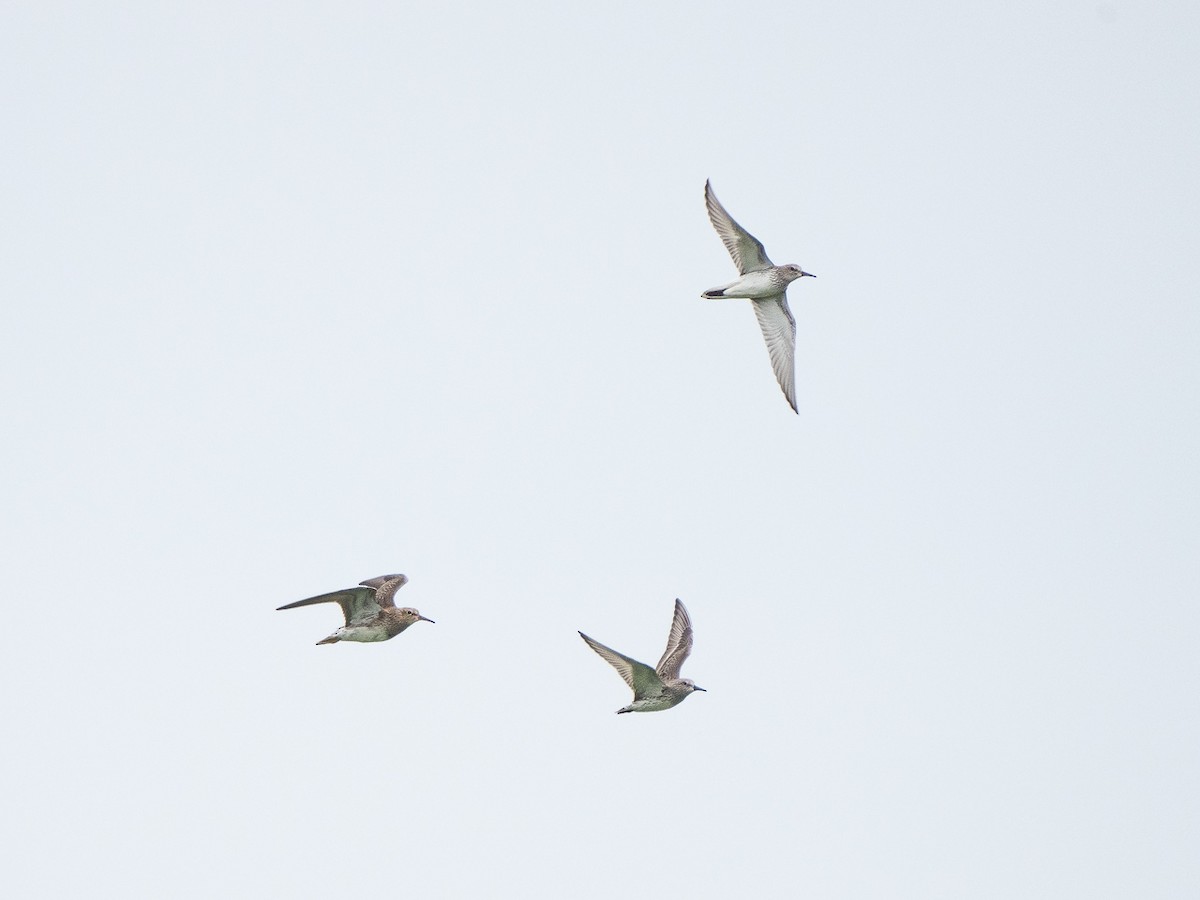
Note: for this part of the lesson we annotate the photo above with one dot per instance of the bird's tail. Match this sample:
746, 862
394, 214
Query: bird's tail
332, 639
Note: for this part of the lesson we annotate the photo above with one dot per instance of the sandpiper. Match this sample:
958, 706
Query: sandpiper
370, 610
766, 285
660, 687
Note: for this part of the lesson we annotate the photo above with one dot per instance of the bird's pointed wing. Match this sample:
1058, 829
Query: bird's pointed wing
357, 603
747, 250
679, 645
639, 676
385, 588
779, 331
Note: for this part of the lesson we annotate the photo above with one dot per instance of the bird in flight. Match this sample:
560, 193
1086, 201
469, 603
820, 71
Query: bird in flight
765, 284
660, 687
370, 610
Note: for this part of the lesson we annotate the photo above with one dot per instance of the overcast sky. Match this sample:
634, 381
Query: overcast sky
301, 294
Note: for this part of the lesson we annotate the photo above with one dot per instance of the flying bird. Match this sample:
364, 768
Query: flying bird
766, 285
660, 687
370, 610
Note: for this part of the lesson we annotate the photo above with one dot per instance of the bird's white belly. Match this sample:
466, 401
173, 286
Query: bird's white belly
364, 633
755, 286
654, 704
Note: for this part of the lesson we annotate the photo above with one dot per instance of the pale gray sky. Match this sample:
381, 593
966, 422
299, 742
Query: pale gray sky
296, 297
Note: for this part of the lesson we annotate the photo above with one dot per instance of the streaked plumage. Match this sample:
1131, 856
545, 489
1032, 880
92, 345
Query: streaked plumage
370, 610
763, 283
660, 687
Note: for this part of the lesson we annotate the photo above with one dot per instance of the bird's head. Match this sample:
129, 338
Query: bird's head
793, 272
691, 685
411, 615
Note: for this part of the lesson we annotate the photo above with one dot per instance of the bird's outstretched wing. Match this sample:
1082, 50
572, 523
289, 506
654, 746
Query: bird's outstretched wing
747, 251
779, 331
639, 676
679, 644
385, 588
357, 603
